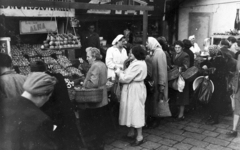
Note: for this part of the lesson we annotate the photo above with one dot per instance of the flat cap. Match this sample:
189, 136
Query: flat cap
39, 83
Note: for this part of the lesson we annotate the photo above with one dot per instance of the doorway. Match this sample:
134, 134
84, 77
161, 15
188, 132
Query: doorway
200, 26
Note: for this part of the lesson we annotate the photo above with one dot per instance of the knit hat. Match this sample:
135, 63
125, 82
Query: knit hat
114, 42
39, 83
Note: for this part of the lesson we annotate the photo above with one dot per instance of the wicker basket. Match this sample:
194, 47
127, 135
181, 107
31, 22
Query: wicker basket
190, 74
89, 96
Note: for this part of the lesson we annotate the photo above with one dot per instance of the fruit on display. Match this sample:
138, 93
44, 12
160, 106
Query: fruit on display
61, 41
15, 51
63, 61
20, 61
63, 72
24, 70
49, 60
74, 71
34, 59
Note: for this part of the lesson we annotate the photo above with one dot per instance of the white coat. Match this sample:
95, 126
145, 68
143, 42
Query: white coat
133, 96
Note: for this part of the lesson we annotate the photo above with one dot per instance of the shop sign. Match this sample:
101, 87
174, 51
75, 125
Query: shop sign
37, 27
36, 11
5, 45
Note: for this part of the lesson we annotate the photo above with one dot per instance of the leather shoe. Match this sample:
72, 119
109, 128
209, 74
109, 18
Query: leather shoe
212, 122
232, 134
128, 138
137, 143
181, 118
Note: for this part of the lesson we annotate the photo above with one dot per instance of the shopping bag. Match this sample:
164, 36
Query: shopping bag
164, 110
204, 91
173, 74
180, 84
116, 91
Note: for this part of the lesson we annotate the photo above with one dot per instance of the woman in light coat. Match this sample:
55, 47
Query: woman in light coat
116, 55
133, 97
159, 75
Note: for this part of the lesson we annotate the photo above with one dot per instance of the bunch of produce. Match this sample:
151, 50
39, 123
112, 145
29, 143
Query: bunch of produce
74, 71
15, 51
63, 61
44, 53
28, 51
49, 60
20, 61
24, 70
34, 59
59, 41
62, 72
56, 67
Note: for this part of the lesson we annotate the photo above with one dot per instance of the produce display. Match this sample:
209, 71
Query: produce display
24, 70
61, 41
20, 61
34, 59
74, 71
49, 60
63, 61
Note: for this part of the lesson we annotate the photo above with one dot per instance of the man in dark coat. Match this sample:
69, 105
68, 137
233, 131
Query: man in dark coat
24, 126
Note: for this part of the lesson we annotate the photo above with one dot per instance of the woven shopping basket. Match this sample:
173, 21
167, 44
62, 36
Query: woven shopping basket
89, 96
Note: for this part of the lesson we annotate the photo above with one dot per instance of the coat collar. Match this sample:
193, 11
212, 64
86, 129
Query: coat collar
176, 56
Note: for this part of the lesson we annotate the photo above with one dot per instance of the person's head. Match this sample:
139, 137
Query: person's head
192, 39
119, 41
224, 43
152, 44
38, 87
187, 43
213, 50
38, 66
91, 28
231, 40
226, 54
5, 62
178, 46
162, 41
138, 52
93, 54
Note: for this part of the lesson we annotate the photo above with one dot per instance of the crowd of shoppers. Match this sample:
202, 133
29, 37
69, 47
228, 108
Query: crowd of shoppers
46, 121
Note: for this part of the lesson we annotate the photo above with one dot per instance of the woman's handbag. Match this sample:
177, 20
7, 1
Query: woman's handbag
164, 110
190, 74
173, 74
116, 91
204, 91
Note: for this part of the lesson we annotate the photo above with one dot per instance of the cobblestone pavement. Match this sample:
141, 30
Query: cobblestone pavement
190, 134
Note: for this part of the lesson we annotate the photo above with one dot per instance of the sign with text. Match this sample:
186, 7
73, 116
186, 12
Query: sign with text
37, 27
36, 11
5, 45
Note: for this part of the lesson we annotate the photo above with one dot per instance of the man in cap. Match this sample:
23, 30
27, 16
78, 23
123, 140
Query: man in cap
116, 55
10, 82
25, 126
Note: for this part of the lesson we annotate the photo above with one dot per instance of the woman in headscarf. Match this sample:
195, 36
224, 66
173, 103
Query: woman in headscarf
159, 75
116, 55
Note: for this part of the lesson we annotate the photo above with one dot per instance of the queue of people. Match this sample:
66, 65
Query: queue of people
46, 121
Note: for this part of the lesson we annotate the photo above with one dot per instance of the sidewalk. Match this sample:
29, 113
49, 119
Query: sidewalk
190, 134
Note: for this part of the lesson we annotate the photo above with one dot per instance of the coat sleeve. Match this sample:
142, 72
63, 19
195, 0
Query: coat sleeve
186, 62
129, 74
93, 80
109, 59
162, 69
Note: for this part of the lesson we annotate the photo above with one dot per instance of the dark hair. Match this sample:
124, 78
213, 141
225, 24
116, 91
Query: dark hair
232, 39
38, 66
139, 52
178, 43
162, 43
5, 60
187, 43
225, 43
226, 54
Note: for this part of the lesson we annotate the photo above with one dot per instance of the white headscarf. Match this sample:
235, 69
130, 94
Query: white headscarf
191, 37
153, 43
114, 42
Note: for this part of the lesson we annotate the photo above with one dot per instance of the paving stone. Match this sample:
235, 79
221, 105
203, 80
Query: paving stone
155, 132
183, 122
208, 127
217, 147
192, 124
150, 145
235, 146
236, 140
224, 137
216, 141
166, 148
197, 148
223, 126
120, 144
194, 135
196, 143
154, 138
183, 146
196, 120
108, 147
133, 148
192, 129
175, 125
209, 133
167, 142
116, 149
222, 131
168, 129
173, 136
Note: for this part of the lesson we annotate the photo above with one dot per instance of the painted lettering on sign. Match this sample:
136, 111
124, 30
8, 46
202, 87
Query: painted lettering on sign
37, 27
